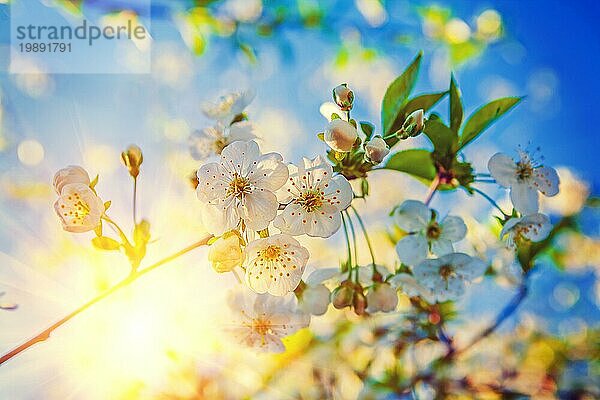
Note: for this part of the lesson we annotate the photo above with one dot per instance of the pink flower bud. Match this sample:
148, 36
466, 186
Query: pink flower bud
340, 135
343, 97
382, 297
342, 295
376, 149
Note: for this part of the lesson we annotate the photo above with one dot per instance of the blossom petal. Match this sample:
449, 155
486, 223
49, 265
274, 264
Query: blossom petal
535, 227
503, 169
339, 192
412, 216
412, 249
270, 172
219, 218
289, 222
524, 198
259, 208
324, 222
509, 225
441, 247
243, 130
546, 180
239, 157
453, 228
212, 182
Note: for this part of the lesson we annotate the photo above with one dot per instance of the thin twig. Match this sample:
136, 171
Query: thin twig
347, 246
45, 334
135, 201
506, 312
432, 189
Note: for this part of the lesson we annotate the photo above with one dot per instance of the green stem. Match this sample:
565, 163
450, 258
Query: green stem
347, 246
353, 232
118, 228
432, 189
366, 235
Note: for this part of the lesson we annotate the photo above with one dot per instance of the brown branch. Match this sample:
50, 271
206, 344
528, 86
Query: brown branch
45, 334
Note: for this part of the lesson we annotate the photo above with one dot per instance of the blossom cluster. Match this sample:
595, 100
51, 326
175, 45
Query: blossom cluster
257, 207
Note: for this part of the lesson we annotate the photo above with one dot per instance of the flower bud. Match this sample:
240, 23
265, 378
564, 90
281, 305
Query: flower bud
68, 175
340, 135
132, 158
342, 295
376, 149
359, 302
315, 299
382, 297
226, 253
343, 97
413, 125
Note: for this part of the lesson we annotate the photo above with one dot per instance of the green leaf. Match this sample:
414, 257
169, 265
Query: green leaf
415, 162
105, 243
368, 128
424, 101
98, 229
397, 93
456, 108
335, 116
484, 117
321, 136
107, 205
94, 182
443, 138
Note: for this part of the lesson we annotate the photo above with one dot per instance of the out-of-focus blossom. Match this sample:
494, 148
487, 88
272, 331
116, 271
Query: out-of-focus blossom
30, 152
244, 10
212, 140
240, 187
489, 25
340, 135
316, 296
382, 297
376, 149
457, 31
314, 199
68, 175
572, 196
525, 178
578, 251
226, 253
409, 286
343, 96
79, 208
534, 227
228, 106
425, 233
263, 320
275, 264
446, 276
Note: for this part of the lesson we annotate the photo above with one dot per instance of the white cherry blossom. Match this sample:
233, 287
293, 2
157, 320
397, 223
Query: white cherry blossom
425, 233
275, 264
446, 276
314, 199
70, 174
409, 286
534, 227
228, 107
240, 187
79, 208
212, 140
262, 320
525, 177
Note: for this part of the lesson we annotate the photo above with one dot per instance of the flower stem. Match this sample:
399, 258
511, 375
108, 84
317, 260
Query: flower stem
353, 232
435, 183
347, 246
366, 235
134, 201
45, 334
488, 198
122, 234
